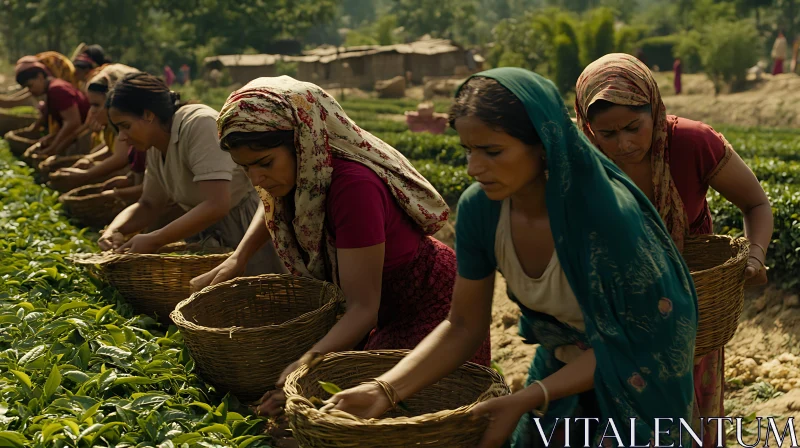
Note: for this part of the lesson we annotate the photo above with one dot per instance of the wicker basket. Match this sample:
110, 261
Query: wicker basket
155, 283
717, 265
10, 122
244, 332
20, 140
437, 416
55, 165
89, 207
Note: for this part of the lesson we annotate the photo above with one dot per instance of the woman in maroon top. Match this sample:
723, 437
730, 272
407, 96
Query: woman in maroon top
343, 206
65, 104
674, 161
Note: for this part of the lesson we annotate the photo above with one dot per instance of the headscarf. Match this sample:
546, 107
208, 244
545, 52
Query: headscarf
109, 74
26, 63
59, 66
624, 80
634, 289
322, 131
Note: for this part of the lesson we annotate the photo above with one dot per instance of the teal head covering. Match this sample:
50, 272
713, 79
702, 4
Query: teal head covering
634, 289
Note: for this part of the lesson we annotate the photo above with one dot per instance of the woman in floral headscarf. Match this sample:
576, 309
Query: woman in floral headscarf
673, 161
343, 206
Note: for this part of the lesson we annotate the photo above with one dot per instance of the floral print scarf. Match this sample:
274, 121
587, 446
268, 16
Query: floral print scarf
622, 79
322, 131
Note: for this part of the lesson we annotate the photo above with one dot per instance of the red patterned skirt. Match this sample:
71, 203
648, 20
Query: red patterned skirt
415, 299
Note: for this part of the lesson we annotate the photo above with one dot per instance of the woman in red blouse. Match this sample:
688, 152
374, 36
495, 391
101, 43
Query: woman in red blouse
340, 205
674, 161
66, 105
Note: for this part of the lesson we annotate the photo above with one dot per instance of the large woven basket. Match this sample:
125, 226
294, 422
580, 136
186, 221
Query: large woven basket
46, 166
91, 208
244, 332
155, 283
10, 122
20, 140
717, 265
437, 416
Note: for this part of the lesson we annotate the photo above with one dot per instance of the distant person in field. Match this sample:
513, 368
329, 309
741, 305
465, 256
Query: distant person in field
795, 49
184, 166
341, 206
677, 70
674, 161
169, 76
186, 77
779, 50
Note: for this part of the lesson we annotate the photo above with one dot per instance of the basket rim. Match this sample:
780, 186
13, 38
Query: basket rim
312, 413
72, 195
109, 258
741, 255
181, 322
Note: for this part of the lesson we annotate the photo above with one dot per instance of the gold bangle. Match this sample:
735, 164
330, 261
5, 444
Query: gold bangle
389, 390
763, 266
764, 251
541, 412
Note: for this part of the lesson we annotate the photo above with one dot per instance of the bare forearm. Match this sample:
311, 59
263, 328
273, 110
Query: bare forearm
129, 194
192, 223
255, 238
64, 137
107, 166
134, 218
572, 379
444, 350
758, 225
356, 323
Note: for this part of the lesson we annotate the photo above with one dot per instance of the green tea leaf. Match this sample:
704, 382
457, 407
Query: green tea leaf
22, 376
102, 312
330, 388
70, 306
222, 429
50, 429
12, 439
52, 383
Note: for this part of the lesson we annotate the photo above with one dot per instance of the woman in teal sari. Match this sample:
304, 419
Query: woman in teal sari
602, 287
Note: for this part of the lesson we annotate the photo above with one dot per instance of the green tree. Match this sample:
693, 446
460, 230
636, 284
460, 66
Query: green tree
566, 55
728, 50
598, 35
451, 19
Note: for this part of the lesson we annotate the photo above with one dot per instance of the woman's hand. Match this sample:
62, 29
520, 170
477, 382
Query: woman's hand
83, 164
227, 270
503, 414
111, 239
144, 243
755, 273
273, 401
365, 401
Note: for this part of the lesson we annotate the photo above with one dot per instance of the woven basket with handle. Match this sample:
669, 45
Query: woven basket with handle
437, 416
717, 265
155, 283
20, 140
91, 208
10, 122
244, 332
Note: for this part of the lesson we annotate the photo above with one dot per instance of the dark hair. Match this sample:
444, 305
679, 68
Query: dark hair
138, 92
603, 105
97, 87
31, 73
96, 54
258, 141
487, 100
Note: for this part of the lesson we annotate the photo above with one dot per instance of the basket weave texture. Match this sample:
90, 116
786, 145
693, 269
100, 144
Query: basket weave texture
244, 332
10, 122
20, 140
437, 416
155, 283
717, 265
89, 207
